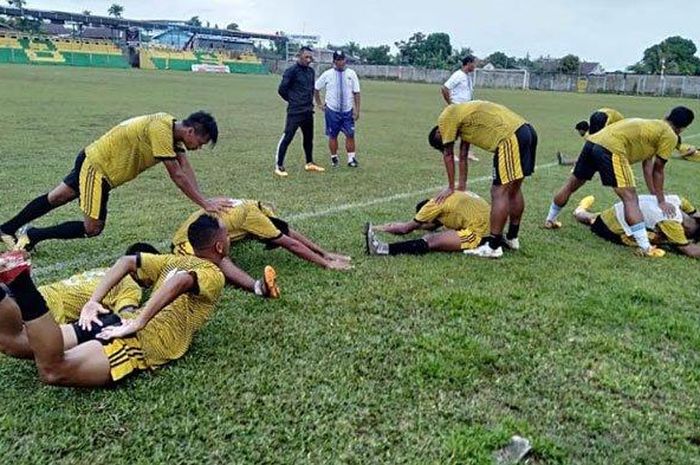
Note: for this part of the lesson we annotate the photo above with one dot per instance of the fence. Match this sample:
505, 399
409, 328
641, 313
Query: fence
618, 83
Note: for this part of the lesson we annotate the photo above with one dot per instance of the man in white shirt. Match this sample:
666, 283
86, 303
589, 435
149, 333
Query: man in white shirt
459, 88
341, 107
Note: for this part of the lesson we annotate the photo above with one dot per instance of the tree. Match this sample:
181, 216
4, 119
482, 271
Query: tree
87, 12
115, 10
432, 51
569, 64
17, 3
194, 21
232, 27
673, 55
501, 60
376, 55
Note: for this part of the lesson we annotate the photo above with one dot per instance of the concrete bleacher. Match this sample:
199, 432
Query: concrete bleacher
182, 60
16, 48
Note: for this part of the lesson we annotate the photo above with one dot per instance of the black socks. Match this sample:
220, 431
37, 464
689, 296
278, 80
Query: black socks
31, 303
415, 247
34, 209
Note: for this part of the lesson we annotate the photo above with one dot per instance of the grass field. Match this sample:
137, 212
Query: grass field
587, 350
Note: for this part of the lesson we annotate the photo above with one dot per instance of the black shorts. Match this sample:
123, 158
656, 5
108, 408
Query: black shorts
295, 121
600, 229
92, 188
514, 158
597, 121
614, 170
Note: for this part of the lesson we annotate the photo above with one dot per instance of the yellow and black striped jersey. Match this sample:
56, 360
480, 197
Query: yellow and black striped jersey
461, 210
66, 298
134, 146
613, 115
168, 335
638, 139
484, 124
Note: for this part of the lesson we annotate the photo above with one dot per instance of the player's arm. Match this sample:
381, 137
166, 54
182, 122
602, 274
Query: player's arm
658, 183
463, 166
283, 89
93, 307
187, 169
356, 109
180, 283
236, 276
691, 250
448, 158
446, 94
187, 183
317, 99
400, 228
299, 249
648, 170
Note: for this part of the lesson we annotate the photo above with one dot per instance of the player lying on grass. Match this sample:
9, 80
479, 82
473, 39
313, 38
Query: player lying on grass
185, 290
114, 159
599, 119
611, 152
65, 299
463, 215
513, 141
253, 219
681, 231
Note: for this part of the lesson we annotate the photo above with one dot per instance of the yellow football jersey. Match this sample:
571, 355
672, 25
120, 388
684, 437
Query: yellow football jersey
461, 210
66, 298
613, 115
481, 123
246, 218
168, 335
134, 146
638, 139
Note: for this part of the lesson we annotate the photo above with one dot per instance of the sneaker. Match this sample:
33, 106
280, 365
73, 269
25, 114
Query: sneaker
472, 157
552, 224
314, 167
512, 244
281, 172
560, 158
270, 279
374, 246
23, 241
652, 252
353, 163
8, 239
586, 203
335, 163
13, 264
485, 251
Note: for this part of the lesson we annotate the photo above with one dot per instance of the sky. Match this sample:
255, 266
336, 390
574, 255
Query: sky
612, 32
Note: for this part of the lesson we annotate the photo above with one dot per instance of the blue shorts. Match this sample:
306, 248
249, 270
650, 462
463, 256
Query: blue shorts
337, 122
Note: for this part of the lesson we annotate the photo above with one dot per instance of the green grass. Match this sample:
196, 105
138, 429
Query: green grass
574, 343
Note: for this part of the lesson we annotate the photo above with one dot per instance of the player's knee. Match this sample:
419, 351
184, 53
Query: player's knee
94, 228
8, 347
51, 374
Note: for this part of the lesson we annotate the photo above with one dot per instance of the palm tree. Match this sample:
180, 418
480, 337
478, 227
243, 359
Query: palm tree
87, 12
17, 3
115, 10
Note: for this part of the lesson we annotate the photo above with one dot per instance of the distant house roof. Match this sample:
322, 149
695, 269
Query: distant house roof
98, 33
587, 68
55, 29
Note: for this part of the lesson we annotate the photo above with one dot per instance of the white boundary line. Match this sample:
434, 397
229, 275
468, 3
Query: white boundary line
89, 258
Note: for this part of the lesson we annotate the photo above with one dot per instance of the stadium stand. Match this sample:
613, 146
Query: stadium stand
15, 48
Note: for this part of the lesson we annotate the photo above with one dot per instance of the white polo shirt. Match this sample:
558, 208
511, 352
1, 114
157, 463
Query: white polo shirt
340, 87
461, 86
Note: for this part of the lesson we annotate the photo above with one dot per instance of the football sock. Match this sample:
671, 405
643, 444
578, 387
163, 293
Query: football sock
38, 207
513, 230
30, 302
68, 230
3, 294
554, 210
414, 247
495, 241
639, 231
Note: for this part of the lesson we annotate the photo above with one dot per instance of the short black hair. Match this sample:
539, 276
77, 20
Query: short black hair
202, 232
435, 140
582, 126
141, 247
204, 124
468, 59
421, 204
681, 117
305, 48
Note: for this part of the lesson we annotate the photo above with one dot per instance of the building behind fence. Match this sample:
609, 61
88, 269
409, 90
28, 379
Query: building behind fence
616, 83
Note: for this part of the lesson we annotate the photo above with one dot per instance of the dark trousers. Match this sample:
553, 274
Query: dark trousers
305, 121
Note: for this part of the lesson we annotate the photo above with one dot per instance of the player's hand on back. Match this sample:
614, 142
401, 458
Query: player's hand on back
668, 209
443, 194
218, 204
89, 313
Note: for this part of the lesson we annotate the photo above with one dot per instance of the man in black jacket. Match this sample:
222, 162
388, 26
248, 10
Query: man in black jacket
297, 89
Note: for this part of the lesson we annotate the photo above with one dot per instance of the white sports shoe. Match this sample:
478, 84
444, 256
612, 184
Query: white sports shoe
485, 251
512, 244
374, 246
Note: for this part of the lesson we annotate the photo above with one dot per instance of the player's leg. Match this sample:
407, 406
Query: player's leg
584, 170
265, 287
13, 338
333, 149
516, 205
84, 365
348, 129
332, 132
290, 128
307, 132
65, 192
294, 234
